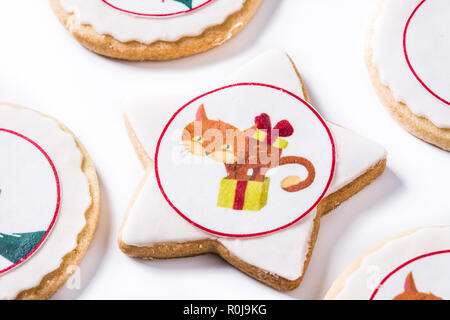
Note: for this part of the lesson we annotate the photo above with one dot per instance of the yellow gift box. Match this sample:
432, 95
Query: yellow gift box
262, 135
280, 143
243, 194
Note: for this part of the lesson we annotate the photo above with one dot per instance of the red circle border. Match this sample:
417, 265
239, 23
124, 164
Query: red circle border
333, 165
156, 15
434, 253
408, 61
58, 201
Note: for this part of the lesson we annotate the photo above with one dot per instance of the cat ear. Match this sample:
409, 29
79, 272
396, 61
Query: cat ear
201, 114
410, 285
250, 131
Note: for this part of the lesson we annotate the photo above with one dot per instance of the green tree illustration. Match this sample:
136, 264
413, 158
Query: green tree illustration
17, 246
187, 3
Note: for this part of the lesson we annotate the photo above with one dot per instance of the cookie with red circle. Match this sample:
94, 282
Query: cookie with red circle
244, 170
407, 57
153, 30
410, 266
49, 203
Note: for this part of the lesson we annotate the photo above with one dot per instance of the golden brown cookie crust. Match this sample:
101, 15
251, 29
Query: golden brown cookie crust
160, 50
421, 127
51, 282
193, 248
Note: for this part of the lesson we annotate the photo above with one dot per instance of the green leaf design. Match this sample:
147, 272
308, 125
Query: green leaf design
17, 246
187, 3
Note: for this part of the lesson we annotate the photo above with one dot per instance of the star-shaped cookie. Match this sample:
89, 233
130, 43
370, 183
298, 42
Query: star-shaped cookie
201, 197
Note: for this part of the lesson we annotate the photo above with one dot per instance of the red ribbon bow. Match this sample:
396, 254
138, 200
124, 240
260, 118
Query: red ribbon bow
282, 128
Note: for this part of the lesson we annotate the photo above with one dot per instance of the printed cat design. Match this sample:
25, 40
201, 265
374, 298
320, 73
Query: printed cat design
258, 148
411, 292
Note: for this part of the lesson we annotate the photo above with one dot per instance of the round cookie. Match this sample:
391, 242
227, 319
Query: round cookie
49, 201
407, 58
410, 266
153, 30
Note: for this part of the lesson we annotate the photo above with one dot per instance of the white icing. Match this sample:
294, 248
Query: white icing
76, 198
282, 253
354, 156
126, 27
281, 72
428, 47
146, 226
376, 266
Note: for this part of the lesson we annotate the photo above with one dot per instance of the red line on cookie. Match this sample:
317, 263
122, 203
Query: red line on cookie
58, 200
162, 15
405, 32
239, 197
372, 297
314, 111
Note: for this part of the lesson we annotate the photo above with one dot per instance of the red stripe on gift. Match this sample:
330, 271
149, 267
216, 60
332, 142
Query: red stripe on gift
239, 197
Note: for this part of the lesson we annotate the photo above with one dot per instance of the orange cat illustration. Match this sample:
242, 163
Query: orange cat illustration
258, 148
411, 292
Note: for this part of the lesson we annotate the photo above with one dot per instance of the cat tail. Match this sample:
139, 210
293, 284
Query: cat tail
294, 183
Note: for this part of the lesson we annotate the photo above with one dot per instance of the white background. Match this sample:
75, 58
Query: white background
42, 67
